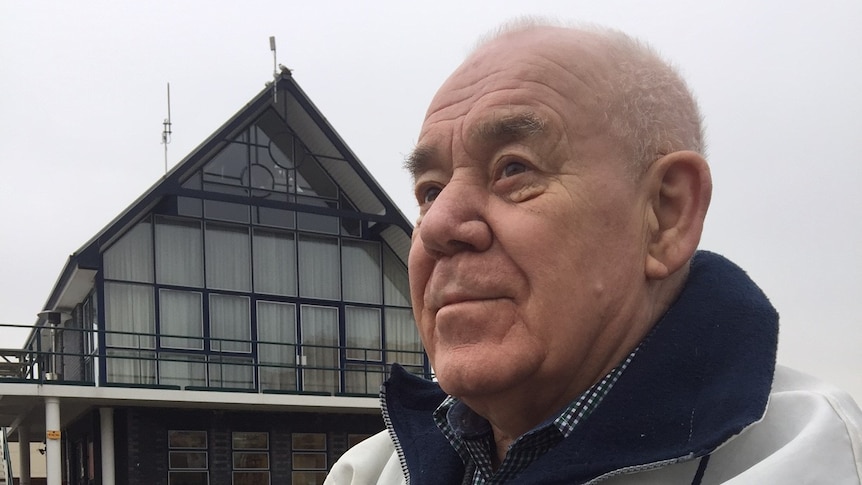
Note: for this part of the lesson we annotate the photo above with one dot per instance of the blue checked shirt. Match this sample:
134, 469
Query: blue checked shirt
471, 435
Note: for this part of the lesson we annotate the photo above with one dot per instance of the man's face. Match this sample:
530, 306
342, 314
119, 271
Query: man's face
527, 262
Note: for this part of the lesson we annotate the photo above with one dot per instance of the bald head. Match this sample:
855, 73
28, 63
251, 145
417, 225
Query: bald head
639, 99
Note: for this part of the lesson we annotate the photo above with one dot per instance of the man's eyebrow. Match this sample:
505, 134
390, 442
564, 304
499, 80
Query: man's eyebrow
497, 131
419, 160
509, 127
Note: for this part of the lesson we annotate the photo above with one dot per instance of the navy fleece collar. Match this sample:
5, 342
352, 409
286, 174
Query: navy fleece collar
701, 376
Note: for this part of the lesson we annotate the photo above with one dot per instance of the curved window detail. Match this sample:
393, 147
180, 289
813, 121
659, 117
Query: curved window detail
267, 161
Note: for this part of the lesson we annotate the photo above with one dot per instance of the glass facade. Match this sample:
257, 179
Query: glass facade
262, 275
267, 262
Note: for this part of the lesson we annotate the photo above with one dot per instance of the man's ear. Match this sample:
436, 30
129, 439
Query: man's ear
680, 187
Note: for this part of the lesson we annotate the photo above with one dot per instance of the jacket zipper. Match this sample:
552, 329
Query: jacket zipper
387, 421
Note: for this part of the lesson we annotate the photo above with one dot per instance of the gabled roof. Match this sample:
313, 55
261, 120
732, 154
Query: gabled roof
290, 102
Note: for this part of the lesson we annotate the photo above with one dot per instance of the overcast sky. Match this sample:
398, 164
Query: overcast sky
82, 100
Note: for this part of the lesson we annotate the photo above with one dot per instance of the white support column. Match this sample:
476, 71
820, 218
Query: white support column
106, 425
52, 441
24, 455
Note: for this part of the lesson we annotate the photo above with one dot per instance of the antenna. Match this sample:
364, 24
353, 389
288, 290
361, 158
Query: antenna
166, 129
274, 69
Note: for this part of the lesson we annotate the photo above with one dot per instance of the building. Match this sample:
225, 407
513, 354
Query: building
233, 325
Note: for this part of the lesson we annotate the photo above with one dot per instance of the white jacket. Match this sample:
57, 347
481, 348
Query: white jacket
701, 402
811, 434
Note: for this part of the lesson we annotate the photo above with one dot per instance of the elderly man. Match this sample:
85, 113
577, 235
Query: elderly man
576, 333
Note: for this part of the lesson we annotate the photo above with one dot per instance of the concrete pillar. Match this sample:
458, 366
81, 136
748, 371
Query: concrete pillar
24, 455
106, 425
52, 441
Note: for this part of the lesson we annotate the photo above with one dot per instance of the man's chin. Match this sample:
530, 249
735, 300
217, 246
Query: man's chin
479, 377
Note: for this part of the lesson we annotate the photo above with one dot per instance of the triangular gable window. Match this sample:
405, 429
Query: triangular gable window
267, 160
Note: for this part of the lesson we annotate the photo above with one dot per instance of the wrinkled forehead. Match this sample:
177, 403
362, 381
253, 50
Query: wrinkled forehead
557, 72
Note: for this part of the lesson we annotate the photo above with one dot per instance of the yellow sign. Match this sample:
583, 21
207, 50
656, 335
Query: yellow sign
52, 434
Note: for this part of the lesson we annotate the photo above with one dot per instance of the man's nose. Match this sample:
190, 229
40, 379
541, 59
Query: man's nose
456, 221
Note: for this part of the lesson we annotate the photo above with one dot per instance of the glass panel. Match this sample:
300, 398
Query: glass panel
250, 440
188, 478
360, 263
230, 323
231, 372
307, 478
187, 206
226, 211
267, 216
179, 252
187, 439
194, 460
320, 348
402, 338
309, 441
317, 223
180, 317
243, 460
351, 227
228, 166
362, 329
251, 478
396, 285
193, 182
130, 308
319, 268
131, 257
283, 146
363, 378
276, 333
272, 168
274, 263
131, 367
182, 370
309, 461
313, 180
228, 258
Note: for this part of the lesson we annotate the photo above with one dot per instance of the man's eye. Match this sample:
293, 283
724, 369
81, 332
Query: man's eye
430, 194
513, 168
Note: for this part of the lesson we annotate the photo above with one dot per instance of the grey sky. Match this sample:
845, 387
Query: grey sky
82, 99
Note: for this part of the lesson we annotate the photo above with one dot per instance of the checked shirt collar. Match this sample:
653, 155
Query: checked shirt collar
471, 436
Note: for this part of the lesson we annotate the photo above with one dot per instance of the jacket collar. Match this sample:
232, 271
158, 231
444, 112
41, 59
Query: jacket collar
700, 377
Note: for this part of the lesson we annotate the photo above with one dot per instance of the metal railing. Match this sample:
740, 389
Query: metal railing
133, 359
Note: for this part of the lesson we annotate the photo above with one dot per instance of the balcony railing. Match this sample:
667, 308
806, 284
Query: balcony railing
73, 356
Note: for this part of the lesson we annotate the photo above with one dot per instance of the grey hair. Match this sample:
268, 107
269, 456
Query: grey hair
649, 107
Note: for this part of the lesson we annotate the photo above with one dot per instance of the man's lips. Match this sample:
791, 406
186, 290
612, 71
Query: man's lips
453, 298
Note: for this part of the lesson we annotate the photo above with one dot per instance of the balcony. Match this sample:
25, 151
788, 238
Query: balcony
74, 356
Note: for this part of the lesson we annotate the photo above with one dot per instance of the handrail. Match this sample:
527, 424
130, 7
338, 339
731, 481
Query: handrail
140, 358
